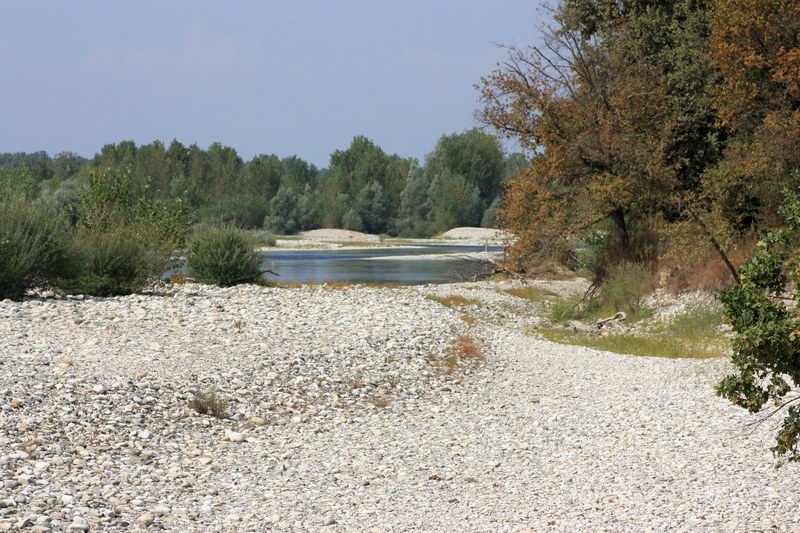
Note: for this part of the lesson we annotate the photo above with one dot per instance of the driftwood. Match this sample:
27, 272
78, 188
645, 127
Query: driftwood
616, 318
582, 327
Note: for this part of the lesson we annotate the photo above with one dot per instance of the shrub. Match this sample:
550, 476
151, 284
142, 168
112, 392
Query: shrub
121, 240
224, 257
263, 238
33, 245
628, 283
209, 403
562, 310
599, 253
113, 262
766, 352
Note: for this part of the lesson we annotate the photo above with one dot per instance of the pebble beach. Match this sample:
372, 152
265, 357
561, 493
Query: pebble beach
343, 415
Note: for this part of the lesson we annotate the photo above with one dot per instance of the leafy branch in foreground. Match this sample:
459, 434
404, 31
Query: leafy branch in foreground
766, 348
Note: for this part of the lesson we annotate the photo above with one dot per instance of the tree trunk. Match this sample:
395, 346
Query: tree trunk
618, 216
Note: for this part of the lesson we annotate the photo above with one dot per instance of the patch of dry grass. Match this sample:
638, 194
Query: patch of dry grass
530, 293
453, 300
466, 347
469, 320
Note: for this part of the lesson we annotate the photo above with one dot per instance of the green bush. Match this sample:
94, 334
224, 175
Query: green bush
599, 252
224, 257
628, 283
122, 240
113, 262
562, 310
33, 245
263, 238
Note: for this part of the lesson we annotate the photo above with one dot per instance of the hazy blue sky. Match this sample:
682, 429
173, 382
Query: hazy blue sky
272, 76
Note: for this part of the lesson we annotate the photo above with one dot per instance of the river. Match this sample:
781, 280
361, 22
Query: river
403, 265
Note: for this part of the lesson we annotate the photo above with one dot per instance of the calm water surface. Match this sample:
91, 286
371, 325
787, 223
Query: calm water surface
321, 266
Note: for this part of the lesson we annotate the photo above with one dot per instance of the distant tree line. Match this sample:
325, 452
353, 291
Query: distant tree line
363, 188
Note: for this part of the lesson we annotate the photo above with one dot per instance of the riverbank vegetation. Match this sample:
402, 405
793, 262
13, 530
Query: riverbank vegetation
363, 188
667, 135
109, 224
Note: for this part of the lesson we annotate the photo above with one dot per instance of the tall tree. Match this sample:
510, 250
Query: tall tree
153, 169
225, 167
756, 47
474, 155
262, 176
297, 173
601, 107
67, 165
454, 202
351, 172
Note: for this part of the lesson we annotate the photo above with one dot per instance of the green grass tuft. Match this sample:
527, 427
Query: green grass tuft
694, 334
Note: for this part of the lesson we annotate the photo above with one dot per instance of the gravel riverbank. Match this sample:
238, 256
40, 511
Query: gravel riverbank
342, 416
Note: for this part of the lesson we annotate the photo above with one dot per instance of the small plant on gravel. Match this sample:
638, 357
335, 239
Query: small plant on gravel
466, 347
450, 363
453, 300
469, 319
209, 403
358, 382
378, 400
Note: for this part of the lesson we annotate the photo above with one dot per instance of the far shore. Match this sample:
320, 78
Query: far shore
334, 239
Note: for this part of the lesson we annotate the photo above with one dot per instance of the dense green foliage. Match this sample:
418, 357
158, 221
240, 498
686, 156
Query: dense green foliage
364, 188
33, 244
113, 262
122, 239
767, 343
96, 235
130, 207
223, 256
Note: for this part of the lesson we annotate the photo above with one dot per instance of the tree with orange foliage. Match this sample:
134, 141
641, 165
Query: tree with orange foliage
755, 45
605, 111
